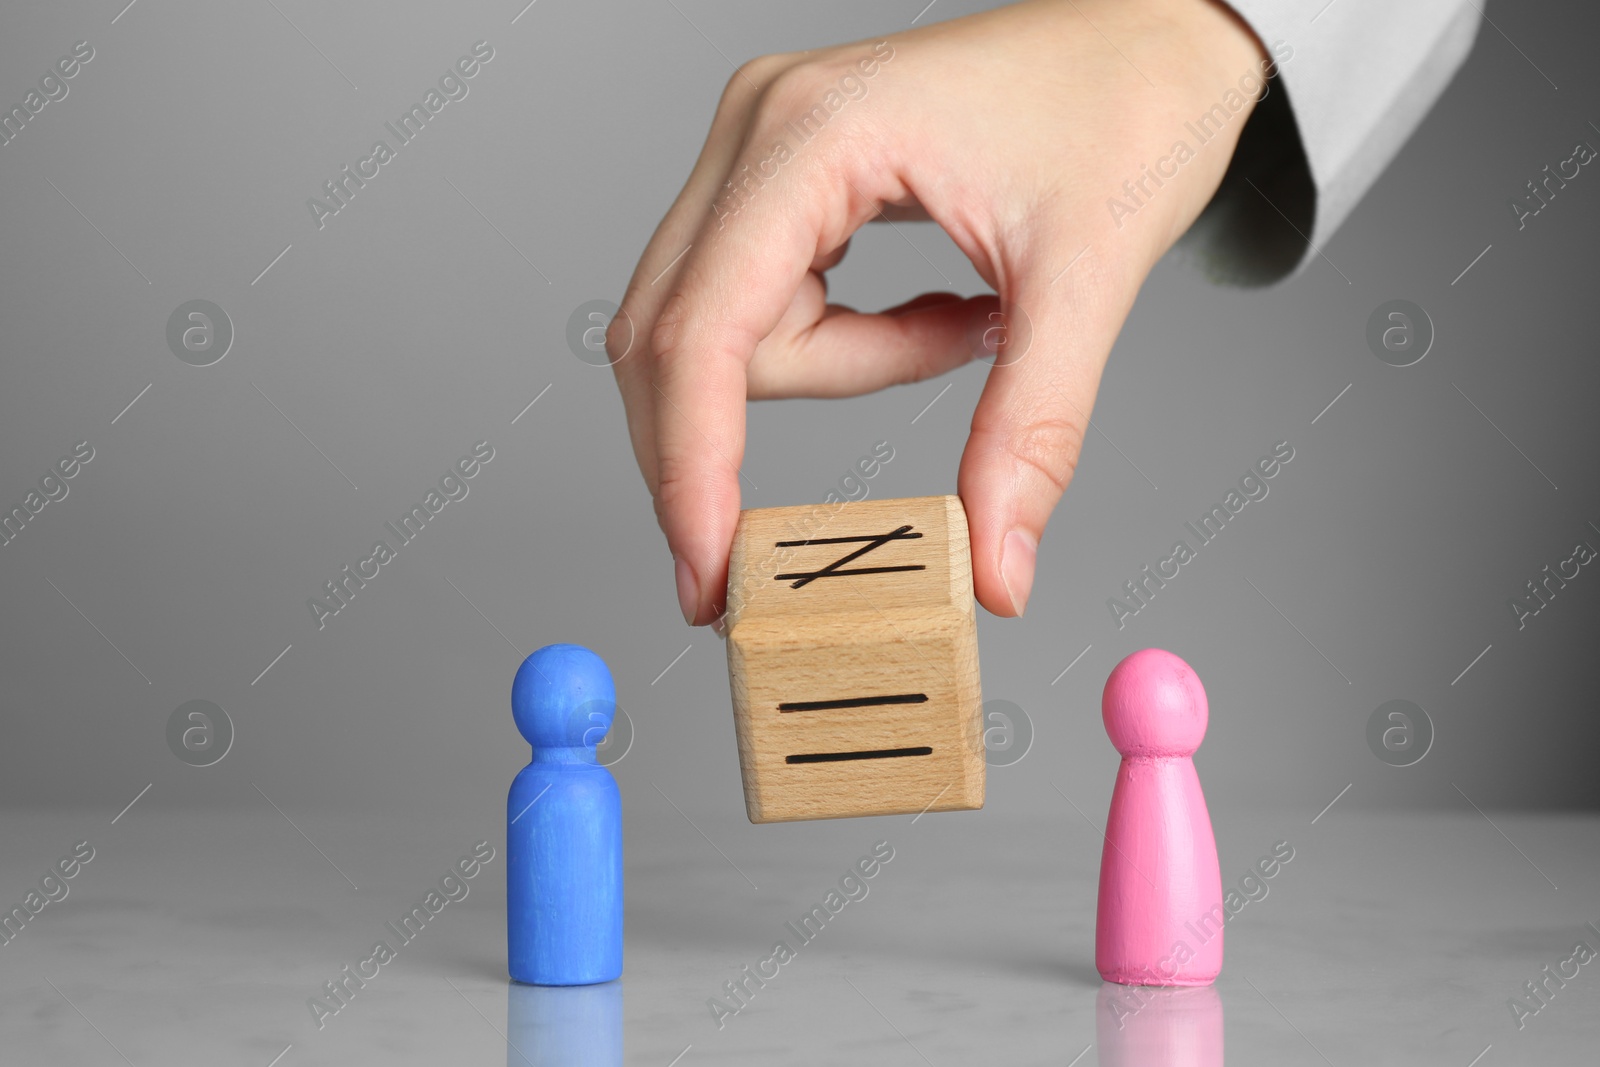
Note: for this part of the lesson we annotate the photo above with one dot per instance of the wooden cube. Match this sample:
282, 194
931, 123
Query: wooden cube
853, 660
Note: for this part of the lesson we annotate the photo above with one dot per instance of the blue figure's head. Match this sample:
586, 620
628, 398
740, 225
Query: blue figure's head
563, 698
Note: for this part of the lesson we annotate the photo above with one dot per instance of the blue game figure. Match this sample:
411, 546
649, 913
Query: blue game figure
564, 825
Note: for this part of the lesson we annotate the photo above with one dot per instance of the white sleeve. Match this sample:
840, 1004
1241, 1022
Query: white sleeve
1354, 79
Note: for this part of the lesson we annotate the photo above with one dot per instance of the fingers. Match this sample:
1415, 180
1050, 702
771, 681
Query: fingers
732, 290
822, 350
627, 342
1029, 425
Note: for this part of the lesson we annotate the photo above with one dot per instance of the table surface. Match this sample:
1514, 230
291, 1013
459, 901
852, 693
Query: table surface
200, 937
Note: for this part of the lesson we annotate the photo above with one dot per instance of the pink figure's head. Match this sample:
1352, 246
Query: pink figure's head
1154, 705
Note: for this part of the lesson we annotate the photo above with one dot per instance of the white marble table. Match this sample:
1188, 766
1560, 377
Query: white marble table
198, 938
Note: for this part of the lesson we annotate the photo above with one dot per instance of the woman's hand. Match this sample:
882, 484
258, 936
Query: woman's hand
1019, 131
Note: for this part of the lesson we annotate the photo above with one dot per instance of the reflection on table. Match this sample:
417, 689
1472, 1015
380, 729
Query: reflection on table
564, 1026
1147, 1026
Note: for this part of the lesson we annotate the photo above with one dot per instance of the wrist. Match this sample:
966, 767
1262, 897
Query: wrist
1195, 73
1219, 69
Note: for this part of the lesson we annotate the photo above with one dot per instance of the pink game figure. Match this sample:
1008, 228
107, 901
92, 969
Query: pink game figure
1160, 915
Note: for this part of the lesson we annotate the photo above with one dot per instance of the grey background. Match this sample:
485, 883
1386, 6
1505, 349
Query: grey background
412, 326
380, 348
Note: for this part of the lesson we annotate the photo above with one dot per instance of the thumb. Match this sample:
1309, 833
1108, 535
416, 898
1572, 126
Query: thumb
1056, 330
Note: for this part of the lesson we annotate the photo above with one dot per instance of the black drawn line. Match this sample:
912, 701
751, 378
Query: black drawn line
853, 702
836, 757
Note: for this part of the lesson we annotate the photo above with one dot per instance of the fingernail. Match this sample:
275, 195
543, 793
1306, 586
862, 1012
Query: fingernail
1017, 557
688, 590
